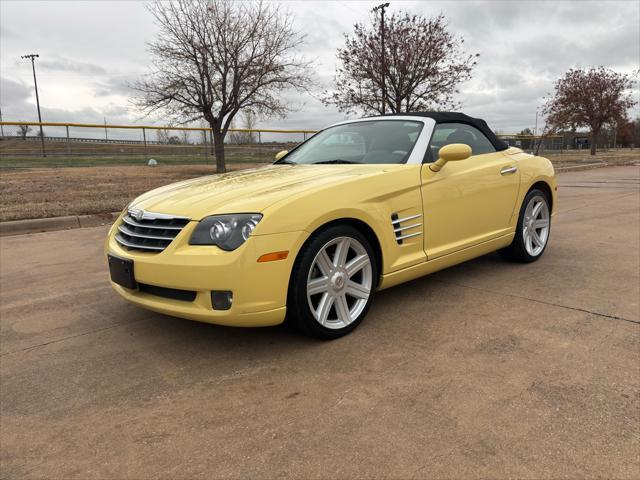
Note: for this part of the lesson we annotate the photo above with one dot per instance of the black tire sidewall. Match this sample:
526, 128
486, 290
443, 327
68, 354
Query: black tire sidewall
299, 314
518, 248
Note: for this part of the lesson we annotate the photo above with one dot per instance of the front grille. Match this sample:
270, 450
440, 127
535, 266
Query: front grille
148, 231
402, 225
173, 293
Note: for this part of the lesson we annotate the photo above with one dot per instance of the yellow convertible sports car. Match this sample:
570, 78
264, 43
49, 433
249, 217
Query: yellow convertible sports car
361, 206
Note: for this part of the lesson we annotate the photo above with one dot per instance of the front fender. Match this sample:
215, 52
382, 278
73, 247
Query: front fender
371, 199
534, 170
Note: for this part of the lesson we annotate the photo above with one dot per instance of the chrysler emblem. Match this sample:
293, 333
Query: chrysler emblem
137, 214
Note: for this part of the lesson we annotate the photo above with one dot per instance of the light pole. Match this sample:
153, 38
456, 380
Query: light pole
535, 129
382, 7
32, 57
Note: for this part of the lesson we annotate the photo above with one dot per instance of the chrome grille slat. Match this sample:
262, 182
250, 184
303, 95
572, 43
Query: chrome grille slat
408, 227
402, 237
124, 242
396, 221
126, 231
398, 228
133, 223
148, 231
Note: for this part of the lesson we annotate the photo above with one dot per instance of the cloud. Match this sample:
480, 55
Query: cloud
67, 65
525, 46
115, 85
13, 93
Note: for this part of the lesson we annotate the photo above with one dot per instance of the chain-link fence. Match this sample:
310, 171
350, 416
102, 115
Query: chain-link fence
87, 144
21, 144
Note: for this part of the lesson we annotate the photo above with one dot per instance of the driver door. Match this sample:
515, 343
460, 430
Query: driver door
470, 201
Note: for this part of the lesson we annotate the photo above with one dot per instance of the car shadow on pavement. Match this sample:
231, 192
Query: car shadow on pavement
397, 302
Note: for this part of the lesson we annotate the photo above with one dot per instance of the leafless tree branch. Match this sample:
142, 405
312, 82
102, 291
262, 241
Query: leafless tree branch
213, 59
424, 64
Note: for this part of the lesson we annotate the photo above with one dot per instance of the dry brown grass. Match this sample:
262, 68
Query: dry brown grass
53, 192
612, 157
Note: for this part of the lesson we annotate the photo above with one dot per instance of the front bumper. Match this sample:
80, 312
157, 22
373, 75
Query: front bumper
259, 289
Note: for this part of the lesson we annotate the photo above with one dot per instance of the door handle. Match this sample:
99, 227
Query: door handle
508, 170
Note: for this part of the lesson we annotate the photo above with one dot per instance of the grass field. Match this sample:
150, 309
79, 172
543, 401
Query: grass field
53, 192
99, 186
26, 154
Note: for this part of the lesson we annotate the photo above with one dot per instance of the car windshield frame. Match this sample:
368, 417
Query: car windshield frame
423, 130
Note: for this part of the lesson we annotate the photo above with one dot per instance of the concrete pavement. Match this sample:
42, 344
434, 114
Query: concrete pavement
488, 369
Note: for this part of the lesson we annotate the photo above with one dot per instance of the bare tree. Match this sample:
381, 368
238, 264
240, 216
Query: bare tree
162, 135
23, 131
590, 98
424, 64
213, 59
247, 136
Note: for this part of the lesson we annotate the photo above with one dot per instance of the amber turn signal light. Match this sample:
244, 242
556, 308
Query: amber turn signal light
273, 256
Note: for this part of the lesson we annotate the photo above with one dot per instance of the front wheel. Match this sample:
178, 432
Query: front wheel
333, 283
532, 231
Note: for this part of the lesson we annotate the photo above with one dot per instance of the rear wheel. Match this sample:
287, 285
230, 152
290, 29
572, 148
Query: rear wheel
333, 283
532, 231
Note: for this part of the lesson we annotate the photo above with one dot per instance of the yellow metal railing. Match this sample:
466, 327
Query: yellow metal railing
208, 129
147, 127
173, 140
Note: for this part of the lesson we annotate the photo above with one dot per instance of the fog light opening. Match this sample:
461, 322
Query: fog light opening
221, 299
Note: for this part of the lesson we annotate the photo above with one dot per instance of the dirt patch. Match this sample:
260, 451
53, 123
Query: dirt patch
53, 192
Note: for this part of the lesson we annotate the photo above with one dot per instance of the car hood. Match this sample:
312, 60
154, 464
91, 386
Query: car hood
246, 191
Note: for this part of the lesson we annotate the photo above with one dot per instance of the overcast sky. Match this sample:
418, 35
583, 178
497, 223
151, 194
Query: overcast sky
89, 50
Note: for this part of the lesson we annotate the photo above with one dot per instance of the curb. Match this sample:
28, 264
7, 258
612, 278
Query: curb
590, 166
586, 166
37, 225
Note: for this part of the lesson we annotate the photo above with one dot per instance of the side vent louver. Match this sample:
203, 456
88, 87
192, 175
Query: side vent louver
402, 226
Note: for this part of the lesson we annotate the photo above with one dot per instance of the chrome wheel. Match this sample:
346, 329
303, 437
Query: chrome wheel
535, 225
339, 282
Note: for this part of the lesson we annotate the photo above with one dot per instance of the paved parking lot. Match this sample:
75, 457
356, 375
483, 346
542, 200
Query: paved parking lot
488, 369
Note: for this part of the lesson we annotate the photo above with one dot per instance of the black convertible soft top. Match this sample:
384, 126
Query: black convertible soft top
456, 117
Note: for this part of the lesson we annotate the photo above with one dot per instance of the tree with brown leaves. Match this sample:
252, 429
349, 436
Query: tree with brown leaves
589, 99
424, 64
214, 59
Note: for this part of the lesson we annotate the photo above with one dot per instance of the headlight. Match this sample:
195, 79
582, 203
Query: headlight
227, 232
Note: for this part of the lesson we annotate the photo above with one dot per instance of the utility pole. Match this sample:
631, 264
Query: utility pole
1, 126
106, 136
33, 56
382, 7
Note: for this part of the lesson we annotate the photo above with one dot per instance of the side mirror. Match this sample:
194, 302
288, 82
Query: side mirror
451, 153
281, 154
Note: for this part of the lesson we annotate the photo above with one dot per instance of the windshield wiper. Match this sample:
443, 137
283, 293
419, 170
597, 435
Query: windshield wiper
284, 162
338, 160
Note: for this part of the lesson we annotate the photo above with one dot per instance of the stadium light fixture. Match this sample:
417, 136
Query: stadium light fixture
32, 57
382, 8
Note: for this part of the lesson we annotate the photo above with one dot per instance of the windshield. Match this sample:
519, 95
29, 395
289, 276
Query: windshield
376, 141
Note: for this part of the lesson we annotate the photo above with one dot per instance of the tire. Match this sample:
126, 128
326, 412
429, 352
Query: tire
332, 283
527, 248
